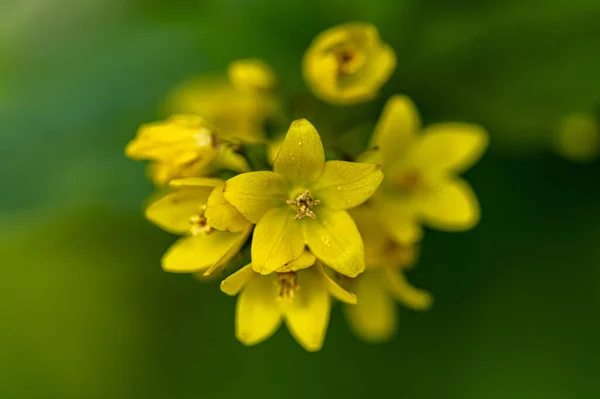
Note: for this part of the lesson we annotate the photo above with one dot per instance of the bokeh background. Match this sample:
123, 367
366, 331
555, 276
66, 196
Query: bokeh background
85, 310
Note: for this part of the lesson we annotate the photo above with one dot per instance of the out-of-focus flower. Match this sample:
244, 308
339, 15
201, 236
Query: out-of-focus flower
347, 64
421, 167
240, 108
213, 230
304, 202
383, 283
251, 75
182, 146
297, 293
578, 137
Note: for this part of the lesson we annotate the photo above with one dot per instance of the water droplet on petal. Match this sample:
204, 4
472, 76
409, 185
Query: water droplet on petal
299, 143
326, 240
339, 187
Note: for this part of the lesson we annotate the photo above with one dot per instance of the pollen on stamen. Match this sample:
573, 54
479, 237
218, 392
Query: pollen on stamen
288, 285
199, 223
304, 204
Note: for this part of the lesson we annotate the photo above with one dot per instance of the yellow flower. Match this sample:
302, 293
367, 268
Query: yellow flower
251, 75
347, 64
182, 146
213, 230
421, 167
578, 137
374, 317
239, 109
303, 202
300, 296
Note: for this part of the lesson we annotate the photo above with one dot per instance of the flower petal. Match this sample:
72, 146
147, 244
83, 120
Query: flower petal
178, 140
197, 182
251, 75
451, 206
221, 215
233, 250
374, 317
404, 292
255, 193
308, 316
195, 253
277, 240
335, 289
301, 157
305, 260
344, 185
236, 282
399, 218
395, 129
257, 313
335, 240
448, 147
172, 212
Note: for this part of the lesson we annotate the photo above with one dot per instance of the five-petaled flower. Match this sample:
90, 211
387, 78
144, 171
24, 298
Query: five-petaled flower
347, 64
297, 293
375, 317
421, 167
213, 230
303, 184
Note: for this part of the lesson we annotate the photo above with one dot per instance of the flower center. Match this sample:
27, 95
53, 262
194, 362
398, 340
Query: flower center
304, 204
288, 285
348, 60
199, 223
409, 181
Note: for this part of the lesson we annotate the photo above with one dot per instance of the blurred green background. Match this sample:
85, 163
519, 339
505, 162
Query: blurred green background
86, 311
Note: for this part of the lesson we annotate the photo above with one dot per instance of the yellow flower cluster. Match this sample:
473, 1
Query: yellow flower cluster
314, 229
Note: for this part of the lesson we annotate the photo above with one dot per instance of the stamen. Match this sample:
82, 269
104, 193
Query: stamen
288, 285
199, 223
409, 181
304, 204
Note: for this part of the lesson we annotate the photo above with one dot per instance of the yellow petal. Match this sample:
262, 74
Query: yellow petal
404, 292
221, 215
395, 129
344, 185
399, 218
233, 250
273, 148
257, 314
450, 206
308, 316
378, 70
237, 281
173, 211
305, 260
374, 317
335, 240
448, 147
179, 140
301, 157
277, 240
200, 252
197, 182
251, 74
255, 193
335, 289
